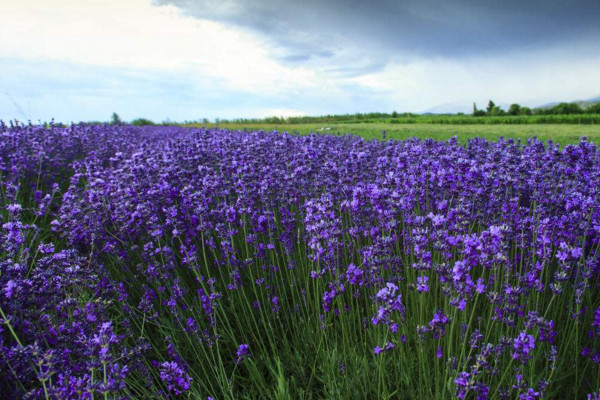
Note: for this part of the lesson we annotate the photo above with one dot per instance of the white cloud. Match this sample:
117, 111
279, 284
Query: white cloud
97, 55
530, 78
136, 34
280, 112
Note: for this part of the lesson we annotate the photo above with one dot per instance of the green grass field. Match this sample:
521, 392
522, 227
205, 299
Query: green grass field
559, 133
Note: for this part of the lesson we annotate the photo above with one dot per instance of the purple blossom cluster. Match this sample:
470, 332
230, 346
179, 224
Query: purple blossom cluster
55, 343
498, 241
59, 337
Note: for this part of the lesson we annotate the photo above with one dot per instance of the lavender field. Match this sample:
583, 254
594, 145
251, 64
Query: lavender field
163, 262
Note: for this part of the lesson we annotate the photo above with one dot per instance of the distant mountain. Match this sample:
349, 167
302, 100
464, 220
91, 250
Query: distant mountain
449, 108
465, 107
548, 105
581, 103
459, 107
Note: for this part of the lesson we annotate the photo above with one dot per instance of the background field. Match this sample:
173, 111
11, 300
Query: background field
559, 133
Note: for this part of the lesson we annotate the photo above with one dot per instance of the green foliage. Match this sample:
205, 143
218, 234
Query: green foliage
525, 111
330, 118
142, 122
561, 109
514, 109
593, 109
477, 112
491, 110
567, 108
115, 119
497, 116
563, 113
497, 111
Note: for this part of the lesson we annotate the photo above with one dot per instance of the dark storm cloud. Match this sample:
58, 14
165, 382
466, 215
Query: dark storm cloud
316, 29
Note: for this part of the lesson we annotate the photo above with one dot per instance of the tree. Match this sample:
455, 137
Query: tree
490, 107
476, 112
567, 108
142, 122
593, 109
525, 111
496, 111
514, 109
116, 120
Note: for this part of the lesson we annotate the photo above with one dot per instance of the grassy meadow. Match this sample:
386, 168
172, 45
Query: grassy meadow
559, 133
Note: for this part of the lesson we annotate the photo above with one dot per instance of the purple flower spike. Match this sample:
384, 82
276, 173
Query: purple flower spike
422, 284
176, 379
241, 353
388, 346
522, 347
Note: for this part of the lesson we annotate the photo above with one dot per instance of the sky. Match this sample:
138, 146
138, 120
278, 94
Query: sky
185, 60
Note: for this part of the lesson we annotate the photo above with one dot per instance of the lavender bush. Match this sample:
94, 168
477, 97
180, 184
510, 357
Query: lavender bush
163, 262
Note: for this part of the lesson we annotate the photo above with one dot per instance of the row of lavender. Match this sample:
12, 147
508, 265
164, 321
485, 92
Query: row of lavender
156, 262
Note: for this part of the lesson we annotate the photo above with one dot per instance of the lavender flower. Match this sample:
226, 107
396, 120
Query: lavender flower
116, 238
388, 346
522, 347
176, 379
422, 284
241, 353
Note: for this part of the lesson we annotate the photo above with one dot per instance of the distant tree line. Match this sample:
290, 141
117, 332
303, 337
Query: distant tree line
516, 112
567, 113
516, 109
494, 110
331, 118
142, 122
